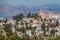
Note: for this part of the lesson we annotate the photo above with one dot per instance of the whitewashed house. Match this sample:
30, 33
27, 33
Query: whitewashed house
38, 31
27, 19
29, 32
13, 29
19, 33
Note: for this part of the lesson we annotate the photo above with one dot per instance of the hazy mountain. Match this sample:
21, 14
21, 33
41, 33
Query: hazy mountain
7, 10
48, 8
35, 9
52, 7
23, 9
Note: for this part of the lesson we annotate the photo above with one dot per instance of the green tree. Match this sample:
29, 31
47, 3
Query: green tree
43, 27
15, 17
16, 36
47, 28
6, 20
57, 23
21, 16
18, 17
36, 15
53, 31
1, 37
32, 15
7, 28
28, 15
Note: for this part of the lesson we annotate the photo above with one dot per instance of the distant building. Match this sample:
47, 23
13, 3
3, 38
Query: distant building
49, 15
43, 15
53, 15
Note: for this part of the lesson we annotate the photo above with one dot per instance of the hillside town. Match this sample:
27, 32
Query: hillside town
38, 26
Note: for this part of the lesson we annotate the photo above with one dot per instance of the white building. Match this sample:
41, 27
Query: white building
29, 32
38, 31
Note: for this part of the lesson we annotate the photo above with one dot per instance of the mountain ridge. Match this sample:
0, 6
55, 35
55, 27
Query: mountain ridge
7, 10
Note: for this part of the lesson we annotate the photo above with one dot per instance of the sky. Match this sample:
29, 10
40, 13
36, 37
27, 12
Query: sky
30, 3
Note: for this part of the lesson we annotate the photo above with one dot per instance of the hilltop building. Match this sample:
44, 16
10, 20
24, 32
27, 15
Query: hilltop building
49, 15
